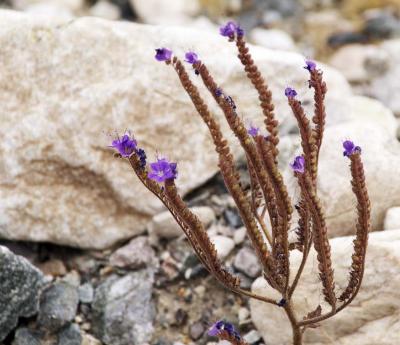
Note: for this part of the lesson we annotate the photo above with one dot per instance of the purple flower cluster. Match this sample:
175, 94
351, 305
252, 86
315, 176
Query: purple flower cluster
218, 92
191, 57
350, 148
163, 54
221, 326
290, 93
253, 131
298, 164
162, 170
310, 65
125, 145
230, 29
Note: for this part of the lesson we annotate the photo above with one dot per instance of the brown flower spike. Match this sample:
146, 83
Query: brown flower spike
268, 190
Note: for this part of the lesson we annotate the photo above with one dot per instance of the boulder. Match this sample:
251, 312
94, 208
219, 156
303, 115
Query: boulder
60, 181
372, 318
381, 159
20, 285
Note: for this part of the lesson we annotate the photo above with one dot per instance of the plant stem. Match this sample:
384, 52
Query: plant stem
297, 333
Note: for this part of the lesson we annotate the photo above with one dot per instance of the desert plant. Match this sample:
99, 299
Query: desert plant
268, 193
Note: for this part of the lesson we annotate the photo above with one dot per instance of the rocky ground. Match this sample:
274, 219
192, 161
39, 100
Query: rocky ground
89, 257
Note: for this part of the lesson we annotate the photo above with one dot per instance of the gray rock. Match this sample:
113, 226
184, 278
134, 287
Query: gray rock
86, 293
123, 310
20, 284
25, 336
196, 330
246, 262
136, 254
58, 306
70, 335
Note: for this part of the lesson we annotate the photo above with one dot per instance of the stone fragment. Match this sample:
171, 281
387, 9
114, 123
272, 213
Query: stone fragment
392, 219
58, 306
86, 293
123, 310
25, 336
246, 261
136, 254
164, 225
70, 335
20, 286
372, 318
224, 245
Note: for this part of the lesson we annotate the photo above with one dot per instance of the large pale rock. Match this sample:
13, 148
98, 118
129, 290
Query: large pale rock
64, 85
381, 157
372, 318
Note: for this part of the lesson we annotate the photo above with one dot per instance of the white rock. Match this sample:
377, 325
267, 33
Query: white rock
88, 339
372, 318
223, 245
252, 337
246, 261
105, 9
384, 85
243, 314
59, 182
392, 218
239, 235
48, 10
72, 5
272, 39
351, 61
163, 225
170, 12
381, 158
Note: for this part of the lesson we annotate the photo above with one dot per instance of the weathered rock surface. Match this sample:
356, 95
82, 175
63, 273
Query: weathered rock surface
59, 181
136, 254
392, 218
25, 336
163, 225
58, 306
70, 335
246, 261
381, 158
372, 318
123, 310
20, 285
382, 87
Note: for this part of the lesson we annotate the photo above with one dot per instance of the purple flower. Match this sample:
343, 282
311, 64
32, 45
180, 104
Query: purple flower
162, 170
228, 30
163, 54
142, 157
231, 102
220, 326
253, 131
290, 93
191, 57
218, 92
125, 145
350, 148
298, 164
239, 31
310, 65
